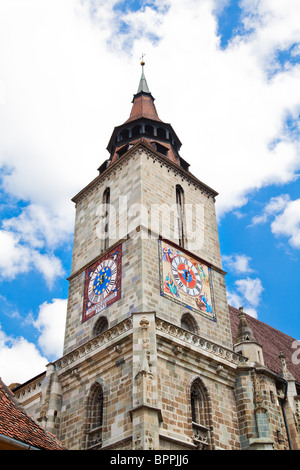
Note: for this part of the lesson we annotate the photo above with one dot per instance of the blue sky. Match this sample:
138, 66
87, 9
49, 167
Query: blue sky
224, 73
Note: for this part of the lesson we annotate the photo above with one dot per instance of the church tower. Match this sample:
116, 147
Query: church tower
148, 360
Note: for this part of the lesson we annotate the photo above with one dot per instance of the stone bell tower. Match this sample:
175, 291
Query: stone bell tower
148, 360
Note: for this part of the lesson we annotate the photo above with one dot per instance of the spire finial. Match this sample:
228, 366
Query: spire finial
142, 60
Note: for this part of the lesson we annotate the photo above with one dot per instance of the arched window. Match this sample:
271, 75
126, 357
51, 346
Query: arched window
106, 203
200, 414
161, 133
100, 326
124, 134
136, 131
149, 130
95, 416
180, 212
189, 323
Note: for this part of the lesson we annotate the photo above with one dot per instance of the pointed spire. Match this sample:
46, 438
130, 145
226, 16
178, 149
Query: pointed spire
244, 333
245, 342
143, 102
285, 373
143, 86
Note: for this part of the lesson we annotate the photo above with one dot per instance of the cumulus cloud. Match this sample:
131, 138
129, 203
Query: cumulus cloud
239, 263
275, 205
247, 294
60, 110
251, 290
288, 223
20, 359
40, 227
51, 325
16, 259
244, 292
284, 217
68, 72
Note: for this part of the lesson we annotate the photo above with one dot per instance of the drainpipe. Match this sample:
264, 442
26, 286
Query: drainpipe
283, 411
17, 445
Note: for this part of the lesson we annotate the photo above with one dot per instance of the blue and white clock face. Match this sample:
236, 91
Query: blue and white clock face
102, 281
102, 284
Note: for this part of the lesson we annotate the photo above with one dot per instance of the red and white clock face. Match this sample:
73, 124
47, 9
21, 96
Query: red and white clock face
186, 276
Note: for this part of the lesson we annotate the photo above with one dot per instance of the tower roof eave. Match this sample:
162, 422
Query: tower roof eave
138, 121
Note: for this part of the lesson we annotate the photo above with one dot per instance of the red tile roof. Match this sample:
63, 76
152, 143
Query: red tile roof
16, 424
272, 341
147, 141
143, 107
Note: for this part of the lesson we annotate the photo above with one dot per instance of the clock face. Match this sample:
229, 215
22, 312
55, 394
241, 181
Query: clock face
186, 276
102, 283
186, 280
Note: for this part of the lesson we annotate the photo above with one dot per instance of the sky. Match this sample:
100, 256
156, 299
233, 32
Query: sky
224, 73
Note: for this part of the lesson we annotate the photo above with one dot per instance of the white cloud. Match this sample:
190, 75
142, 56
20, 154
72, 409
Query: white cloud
247, 294
51, 324
40, 227
239, 263
251, 290
288, 223
285, 215
275, 205
20, 360
48, 265
16, 259
66, 91
234, 299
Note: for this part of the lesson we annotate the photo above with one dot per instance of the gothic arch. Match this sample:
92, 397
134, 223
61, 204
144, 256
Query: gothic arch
106, 204
161, 133
200, 413
100, 326
149, 130
189, 323
180, 214
95, 415
136, 130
